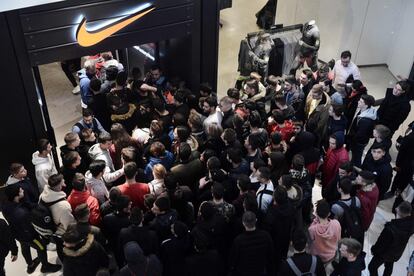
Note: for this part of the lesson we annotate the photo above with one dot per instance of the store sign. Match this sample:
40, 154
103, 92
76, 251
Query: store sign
87, 37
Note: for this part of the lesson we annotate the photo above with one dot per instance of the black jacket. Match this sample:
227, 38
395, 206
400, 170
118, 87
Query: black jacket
278, 222
7, 242
161, 224
18, 217
361, 128
189, 173
383, 171
31, 192
227, 121
303, 261
252, 254
173, 252
86, 260
345, 268
112, 225
406, 151
393, 110
146, 239
205, 263
393, 239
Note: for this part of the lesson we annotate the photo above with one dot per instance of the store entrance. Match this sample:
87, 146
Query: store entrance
59, 96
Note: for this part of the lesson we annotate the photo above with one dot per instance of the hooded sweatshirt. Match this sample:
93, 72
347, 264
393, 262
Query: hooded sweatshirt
84, 81
61, 211
97, 153
138, 264
44, 168
333, 159
324, 238
363, 125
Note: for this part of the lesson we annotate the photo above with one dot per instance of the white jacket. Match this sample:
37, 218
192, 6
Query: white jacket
44, 168
96, 153
61, 211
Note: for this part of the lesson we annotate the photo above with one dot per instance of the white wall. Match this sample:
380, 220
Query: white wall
401, 56
368, 28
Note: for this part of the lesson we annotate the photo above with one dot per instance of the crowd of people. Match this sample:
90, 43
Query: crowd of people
160, 180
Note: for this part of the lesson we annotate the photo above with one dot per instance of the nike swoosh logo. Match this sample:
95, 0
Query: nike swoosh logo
89, 38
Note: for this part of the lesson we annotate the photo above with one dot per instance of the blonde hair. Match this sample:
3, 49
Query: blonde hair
159, 171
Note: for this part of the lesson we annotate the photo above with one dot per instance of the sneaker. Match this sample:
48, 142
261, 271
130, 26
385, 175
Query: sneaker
32, 267
76, 90
50, 268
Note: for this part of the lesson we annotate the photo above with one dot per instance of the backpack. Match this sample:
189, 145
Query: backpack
351, 220
311, 272
42, 219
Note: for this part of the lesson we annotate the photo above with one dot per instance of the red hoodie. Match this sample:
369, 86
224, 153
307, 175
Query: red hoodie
369, 201
77, 198
333, 159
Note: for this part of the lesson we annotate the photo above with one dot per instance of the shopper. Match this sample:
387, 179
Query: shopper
301, 262
131, 188
324, 233
81, 195
368, 195
88, 121
7, 244
352, 258
252, 251
44, 164
392, 241
18, 177
18, 217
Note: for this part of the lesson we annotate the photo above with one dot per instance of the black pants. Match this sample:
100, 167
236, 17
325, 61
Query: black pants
357, 152
376, 262
39, 245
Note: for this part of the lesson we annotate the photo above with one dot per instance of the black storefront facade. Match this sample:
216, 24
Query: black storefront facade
39, 35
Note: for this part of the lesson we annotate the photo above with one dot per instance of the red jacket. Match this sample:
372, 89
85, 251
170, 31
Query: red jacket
369, 201
333, 159
135, 192
286, 132
77, 198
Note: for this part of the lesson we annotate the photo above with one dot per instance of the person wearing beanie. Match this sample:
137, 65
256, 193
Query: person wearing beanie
115, 221
335, 156
139, 233
368, 195
361, 127
138, 263
80, 195
60, 209
301, 260
17, 215
392, 241
324, 233
174, 250
83, 255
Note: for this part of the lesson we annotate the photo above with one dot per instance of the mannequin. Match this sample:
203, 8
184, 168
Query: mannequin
308, 46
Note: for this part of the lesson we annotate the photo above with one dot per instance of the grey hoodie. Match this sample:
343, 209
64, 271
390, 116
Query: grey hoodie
96, 153
44, 168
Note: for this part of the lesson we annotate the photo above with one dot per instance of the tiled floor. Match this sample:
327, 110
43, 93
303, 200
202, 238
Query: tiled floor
64, 109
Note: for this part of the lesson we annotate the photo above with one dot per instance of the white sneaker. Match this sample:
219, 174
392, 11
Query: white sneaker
76, 90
